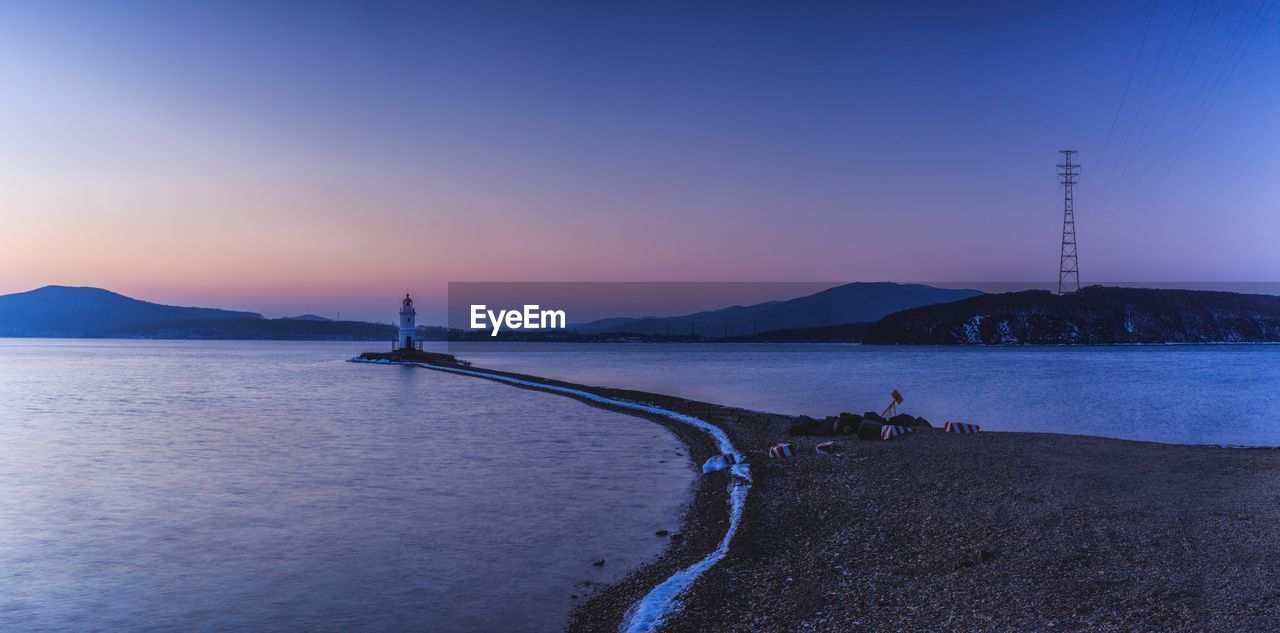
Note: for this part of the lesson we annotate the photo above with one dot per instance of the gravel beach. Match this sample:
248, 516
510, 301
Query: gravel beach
986, 532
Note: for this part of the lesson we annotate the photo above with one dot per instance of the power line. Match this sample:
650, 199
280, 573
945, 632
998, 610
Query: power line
1207, 104
1143, 137
1177, 90
1128, 82
1110, 177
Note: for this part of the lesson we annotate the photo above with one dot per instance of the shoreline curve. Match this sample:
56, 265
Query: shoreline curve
650, 611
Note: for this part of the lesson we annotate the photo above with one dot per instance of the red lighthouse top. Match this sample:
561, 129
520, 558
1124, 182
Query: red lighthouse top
407, 299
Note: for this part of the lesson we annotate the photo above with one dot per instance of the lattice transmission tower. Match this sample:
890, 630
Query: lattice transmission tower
1068, 265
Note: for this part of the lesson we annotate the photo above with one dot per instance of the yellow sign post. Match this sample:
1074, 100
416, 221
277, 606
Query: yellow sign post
893, 406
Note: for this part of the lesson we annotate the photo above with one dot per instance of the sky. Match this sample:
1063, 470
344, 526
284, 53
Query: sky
326, 157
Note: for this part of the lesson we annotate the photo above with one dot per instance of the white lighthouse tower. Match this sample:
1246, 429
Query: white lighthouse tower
407, 325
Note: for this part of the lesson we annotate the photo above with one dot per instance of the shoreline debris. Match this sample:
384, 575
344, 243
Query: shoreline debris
717, 463
782, 450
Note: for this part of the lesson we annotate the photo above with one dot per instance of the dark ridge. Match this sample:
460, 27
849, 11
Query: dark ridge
1096, 315
838, 306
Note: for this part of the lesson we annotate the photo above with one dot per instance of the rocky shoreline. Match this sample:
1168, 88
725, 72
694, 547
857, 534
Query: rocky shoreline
983, 532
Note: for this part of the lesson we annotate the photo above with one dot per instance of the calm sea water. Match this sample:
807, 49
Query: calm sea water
237, 486
1213, 394
218, 486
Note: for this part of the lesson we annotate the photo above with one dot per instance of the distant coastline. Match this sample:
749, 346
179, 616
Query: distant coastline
1095, 315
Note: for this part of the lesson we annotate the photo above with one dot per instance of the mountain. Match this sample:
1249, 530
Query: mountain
89, 312
841, 305
307, 317
602, 325
60, 311
1094, 316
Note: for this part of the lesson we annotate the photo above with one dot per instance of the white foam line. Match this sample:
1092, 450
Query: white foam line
650, 611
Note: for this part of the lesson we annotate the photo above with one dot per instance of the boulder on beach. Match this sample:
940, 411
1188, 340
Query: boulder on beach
804, 425
844, 424
847, 423
869, 429
903, 419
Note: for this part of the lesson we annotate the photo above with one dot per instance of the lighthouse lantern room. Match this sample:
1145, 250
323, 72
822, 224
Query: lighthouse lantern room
405, 340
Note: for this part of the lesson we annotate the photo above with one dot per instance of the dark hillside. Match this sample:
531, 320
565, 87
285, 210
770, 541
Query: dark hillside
1095, 316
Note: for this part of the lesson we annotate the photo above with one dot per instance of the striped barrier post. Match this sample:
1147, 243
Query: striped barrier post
890, 431
717, 463
781, 450
826, 448
959, 427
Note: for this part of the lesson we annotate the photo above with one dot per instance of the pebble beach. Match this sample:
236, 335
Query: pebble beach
967, 532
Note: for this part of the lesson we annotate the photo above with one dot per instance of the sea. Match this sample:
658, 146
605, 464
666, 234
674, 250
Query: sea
272, 486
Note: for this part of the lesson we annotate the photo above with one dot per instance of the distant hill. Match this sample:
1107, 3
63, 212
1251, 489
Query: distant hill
87, 312
603, 325
307, 317
60, 311
841, 305
1095, 315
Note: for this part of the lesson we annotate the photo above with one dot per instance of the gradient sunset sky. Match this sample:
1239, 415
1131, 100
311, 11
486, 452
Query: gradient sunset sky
280, 156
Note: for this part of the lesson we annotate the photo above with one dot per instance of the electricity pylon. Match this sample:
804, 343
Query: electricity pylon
1068, 264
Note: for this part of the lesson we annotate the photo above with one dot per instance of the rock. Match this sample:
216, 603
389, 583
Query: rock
677, 537
805, 425
599, 562
874, 417
869, 429
661, 533
1240, 516
923, 422
848, 423
903, 419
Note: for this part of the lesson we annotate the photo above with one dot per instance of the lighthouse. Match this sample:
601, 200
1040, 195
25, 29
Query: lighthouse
407, 325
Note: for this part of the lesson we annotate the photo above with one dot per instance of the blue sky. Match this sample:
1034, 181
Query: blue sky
276, 156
